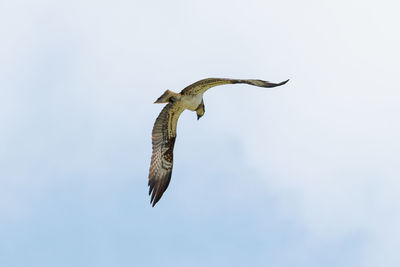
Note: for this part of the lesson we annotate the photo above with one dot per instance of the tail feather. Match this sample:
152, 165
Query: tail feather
166, 97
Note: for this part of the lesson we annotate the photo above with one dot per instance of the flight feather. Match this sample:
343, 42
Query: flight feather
201, 86
163, 141
164, 129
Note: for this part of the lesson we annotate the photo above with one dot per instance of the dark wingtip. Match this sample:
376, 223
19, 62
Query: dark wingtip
156, 191
154, 199
266, 84
278, 84
282, 83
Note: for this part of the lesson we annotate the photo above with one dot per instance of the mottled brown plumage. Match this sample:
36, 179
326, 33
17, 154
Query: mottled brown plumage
164, 129
163, 139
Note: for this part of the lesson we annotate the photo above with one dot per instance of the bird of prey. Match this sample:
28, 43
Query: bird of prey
164, 129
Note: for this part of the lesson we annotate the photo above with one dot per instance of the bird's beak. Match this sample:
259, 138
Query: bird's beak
198, 117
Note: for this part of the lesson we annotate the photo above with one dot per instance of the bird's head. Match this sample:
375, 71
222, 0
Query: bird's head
200, 111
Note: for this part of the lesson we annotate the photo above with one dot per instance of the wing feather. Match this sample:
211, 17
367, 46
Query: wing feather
163, 140
201, 86
164, 133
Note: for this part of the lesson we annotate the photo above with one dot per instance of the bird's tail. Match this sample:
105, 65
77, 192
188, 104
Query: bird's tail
168, 96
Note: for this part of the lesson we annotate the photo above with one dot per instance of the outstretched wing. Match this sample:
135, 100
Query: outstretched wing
201, 86
163, 139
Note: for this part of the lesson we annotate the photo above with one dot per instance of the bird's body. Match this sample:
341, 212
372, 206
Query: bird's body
191, 102
164, 129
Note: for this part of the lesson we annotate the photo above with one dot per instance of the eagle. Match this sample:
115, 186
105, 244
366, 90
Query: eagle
164, 129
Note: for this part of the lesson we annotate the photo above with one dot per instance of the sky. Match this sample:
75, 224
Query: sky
301, 175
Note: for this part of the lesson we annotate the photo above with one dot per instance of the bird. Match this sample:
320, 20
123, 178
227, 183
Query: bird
164, 129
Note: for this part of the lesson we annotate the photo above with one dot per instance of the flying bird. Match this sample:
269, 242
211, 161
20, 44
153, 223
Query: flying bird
164, 129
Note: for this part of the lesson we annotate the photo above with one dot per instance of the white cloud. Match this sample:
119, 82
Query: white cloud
81, 77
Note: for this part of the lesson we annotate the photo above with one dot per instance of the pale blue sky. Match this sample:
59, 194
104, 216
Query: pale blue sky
303, 175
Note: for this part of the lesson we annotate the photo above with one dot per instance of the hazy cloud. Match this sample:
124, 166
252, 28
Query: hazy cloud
296, 172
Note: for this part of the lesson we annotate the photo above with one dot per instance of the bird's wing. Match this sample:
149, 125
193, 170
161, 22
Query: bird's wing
163, 139
201, 86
